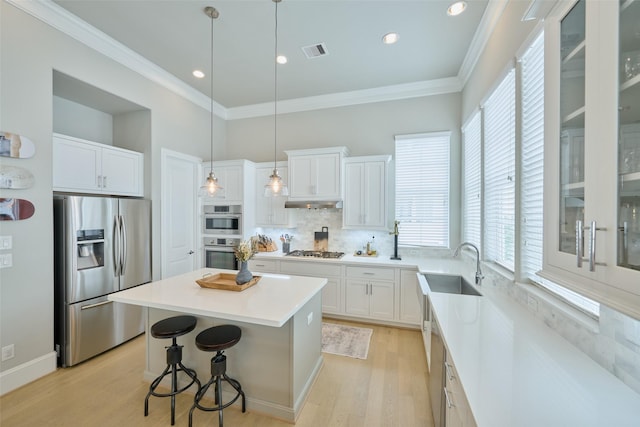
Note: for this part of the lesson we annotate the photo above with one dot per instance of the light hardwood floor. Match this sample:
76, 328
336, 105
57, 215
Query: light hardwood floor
389, 388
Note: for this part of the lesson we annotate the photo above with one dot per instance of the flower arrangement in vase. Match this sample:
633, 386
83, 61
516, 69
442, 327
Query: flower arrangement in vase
244, 252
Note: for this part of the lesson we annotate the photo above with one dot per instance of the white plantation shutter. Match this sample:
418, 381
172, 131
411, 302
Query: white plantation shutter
499, 173
532, 157
472, 180
533, 173
422, 189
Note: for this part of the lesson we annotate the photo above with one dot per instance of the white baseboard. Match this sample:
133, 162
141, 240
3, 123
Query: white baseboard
27, 372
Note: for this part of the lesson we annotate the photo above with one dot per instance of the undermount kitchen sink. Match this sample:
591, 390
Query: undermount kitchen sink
450, 284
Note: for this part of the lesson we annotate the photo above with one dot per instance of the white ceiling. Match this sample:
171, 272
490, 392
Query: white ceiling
175, 35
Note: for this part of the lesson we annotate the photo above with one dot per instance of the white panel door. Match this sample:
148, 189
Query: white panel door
179, 218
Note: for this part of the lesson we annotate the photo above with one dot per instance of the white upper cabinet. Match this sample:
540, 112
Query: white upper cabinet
236, 177
316, 174
592, 151
270, 211
82, 166
365, 193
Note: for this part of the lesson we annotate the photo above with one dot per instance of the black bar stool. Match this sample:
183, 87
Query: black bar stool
218, 339
172, 327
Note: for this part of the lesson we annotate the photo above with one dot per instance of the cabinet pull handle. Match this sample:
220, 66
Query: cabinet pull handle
370, 289
446, 396
104, 182
592, 246
447, 367
259, 265
368, 273
579, 243
366, 289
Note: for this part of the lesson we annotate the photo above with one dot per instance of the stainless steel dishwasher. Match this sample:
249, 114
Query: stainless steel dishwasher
436, 374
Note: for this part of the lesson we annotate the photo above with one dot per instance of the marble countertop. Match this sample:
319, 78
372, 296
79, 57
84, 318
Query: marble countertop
516, 371
271, 302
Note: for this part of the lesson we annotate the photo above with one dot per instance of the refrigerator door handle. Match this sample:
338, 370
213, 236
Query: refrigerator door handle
116, 245
123, 245
87, 307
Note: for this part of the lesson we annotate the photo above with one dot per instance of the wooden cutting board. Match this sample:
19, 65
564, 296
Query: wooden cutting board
321, 240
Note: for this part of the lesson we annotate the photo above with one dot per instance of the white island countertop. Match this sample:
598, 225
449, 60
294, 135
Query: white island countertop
517, 372
271, 302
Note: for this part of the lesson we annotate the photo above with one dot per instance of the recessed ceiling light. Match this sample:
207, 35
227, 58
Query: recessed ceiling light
281, 59
197, 73
456, 8
390, 38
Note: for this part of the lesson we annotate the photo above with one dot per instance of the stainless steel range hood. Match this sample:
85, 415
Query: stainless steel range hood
314, 204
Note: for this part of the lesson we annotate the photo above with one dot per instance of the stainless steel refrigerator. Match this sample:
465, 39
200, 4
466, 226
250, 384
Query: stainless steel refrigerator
101, 245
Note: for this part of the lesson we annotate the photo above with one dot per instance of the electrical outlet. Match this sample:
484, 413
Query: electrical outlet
6, 242
6, 260
7, 352
309, 318
532, 303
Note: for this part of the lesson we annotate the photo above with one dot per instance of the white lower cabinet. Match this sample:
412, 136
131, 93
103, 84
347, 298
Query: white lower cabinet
263, 265
372, 293
367, 295
332, 291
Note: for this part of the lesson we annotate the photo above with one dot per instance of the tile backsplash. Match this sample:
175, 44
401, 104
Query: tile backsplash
311, 220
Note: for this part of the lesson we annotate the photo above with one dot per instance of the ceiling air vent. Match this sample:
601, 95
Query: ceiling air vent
315, 50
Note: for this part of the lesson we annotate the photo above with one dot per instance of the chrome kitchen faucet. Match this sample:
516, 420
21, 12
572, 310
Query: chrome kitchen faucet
479, 275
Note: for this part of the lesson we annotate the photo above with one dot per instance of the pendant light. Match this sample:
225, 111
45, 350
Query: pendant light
211, 187
276, 186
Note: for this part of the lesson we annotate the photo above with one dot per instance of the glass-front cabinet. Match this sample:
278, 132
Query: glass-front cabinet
592, 150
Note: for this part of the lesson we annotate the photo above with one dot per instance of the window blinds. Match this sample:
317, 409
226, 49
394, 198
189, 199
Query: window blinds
532, 158
499, 173
472, 180
533, 175
422, 189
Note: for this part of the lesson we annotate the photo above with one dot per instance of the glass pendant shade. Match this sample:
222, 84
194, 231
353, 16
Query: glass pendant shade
276, 186
211, 188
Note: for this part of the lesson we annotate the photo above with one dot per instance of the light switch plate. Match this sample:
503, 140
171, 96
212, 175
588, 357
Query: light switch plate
6, 242
6, 260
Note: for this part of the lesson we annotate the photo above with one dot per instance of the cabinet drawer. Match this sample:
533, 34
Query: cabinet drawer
263, 265
304, 268
373, 273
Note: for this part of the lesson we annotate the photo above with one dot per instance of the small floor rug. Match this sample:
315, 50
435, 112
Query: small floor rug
346, 340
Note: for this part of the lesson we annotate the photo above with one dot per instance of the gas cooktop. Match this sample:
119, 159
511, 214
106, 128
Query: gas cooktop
316, 254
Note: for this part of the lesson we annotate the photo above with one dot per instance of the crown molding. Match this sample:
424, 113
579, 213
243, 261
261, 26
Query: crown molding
342, 99
68, 23
487, 24
59, 18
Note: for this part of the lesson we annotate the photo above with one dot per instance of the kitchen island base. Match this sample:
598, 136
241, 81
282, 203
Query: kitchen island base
275, 365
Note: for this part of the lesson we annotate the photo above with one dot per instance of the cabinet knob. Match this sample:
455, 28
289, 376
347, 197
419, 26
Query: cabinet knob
190, 253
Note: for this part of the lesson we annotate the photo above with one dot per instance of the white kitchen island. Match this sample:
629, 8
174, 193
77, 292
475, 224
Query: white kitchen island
279, 354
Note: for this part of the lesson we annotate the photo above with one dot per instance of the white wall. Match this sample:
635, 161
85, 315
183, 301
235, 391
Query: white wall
71, 118
366, 129
30, 51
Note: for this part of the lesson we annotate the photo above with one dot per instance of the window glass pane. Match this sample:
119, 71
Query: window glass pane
472, 180
422, 189
499, 173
